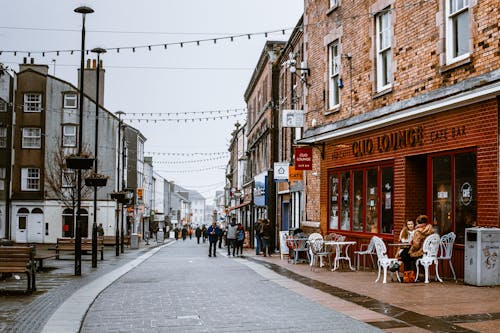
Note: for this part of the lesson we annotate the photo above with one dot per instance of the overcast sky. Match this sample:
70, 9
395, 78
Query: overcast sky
210, 77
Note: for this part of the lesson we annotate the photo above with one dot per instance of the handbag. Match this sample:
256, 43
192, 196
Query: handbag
408, 276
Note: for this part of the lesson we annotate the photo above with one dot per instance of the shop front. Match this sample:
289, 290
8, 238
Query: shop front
444, 165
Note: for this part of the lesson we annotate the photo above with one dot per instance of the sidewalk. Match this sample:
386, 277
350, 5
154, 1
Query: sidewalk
393, 307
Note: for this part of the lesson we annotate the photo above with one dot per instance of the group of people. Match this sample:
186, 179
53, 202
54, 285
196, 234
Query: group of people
414, 236
235, 237
263, 236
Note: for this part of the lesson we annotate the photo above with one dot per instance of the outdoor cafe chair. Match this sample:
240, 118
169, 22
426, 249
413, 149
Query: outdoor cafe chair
430, 247
317, 249
298, 245
312, 237
369, 251
383, 260
446, 250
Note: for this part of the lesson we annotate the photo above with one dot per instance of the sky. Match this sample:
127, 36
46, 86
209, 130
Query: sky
191, 80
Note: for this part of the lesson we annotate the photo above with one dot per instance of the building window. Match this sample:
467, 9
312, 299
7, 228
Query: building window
2, 178
361, 200
454, 193
69, 136
3, 106
70, 101
32, 138
457, 30
383, 46
333, 74
30, 179
3, 137
32, 102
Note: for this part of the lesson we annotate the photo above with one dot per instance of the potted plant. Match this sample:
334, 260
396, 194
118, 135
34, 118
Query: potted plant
79, 161
96, 179
119, 196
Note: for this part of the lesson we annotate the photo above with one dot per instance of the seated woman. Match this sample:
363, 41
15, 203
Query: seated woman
415, 251
406, 235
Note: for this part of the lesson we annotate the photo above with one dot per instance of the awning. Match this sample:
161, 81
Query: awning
237, 206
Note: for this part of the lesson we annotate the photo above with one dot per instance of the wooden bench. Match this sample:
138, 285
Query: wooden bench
111, 240
68, 244
19, 259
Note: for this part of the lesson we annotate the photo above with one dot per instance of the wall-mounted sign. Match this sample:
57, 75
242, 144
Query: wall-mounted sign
295, 175
281, 171
303, 159
292, 118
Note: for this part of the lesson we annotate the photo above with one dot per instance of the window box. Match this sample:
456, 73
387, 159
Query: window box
96, 179
121, 197
79, 162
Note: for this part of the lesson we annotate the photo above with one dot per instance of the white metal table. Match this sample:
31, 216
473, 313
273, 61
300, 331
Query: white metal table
338, 252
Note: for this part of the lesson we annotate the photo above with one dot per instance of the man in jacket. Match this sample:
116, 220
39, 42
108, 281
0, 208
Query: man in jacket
232, 231
213, 233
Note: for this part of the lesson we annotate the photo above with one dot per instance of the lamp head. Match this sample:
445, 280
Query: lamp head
84, 10
98, 50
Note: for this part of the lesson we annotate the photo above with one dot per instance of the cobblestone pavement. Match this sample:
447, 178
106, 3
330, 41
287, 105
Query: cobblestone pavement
181, 289
20, 312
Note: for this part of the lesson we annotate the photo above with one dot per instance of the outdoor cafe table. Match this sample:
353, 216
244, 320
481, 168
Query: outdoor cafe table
338, 252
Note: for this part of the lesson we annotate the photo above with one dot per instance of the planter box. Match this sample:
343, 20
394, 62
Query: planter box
78, 162
99, 182
119, 196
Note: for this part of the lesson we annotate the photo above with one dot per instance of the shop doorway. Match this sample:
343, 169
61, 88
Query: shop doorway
35, 226
285, 215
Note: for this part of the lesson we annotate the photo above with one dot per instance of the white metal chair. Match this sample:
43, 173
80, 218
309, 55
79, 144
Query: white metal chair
298, 245
430, 247
446, 250
369, 251
317, 249
383, 260
312, 237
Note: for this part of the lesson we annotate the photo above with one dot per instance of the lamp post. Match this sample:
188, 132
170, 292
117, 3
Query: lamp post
78, 234
117, 232
98, 51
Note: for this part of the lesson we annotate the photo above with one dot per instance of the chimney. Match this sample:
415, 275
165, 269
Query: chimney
91, 80
44, 69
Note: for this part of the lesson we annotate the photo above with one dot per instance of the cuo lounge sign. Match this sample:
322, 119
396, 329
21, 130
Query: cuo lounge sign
303, 159
410, 137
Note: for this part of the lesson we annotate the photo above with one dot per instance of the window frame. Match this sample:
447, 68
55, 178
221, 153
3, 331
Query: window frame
31, 106
383, 34
3, 105
30, 183
451, 34
68, 96
334, 65
3, 137
3, 176
38, 138
65, 135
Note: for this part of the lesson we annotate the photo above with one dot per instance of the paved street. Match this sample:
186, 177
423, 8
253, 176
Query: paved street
181, 289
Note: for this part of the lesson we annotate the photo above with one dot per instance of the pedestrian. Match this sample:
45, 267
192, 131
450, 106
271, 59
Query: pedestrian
204, 233
266, 237
197, 233
190, 232
240, 239
258, 238
231, 236
213, 233
221, 237
176, 233
184, 233
100, 230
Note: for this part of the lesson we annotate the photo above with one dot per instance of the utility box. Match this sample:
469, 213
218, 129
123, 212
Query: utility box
160, 236
482, 247
134, 241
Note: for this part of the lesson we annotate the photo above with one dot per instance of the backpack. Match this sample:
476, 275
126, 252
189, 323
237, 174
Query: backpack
241, 235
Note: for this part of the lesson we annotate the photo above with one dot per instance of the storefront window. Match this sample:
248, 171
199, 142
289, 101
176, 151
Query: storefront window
334, 202
357, 211
345, 205
465, 193
441, 193
371, 201
387, 207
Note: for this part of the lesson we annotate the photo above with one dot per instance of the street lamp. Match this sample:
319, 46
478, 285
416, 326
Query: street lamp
98, 51
78, 234
117, 232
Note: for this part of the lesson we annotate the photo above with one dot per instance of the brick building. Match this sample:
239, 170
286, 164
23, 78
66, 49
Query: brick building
402, 106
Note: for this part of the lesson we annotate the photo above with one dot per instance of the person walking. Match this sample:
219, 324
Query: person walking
240, 239
231, 236
266, 237
221, 237
204, 233
213, 233
197, 233
258, 236
176, 233
100, 230
184, 233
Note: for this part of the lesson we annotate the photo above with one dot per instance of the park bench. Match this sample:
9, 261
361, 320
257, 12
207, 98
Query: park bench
68, 244
111, 240
19, 259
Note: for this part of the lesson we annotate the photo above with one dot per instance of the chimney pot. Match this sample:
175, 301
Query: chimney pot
24, 60
32, 61
94, 63
88, 63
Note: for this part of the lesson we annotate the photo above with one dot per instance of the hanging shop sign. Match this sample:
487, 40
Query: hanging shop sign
303, 159
281, 171
292, 118
295, 175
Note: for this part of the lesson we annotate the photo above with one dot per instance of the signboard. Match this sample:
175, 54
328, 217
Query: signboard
295, 175
303, 158
140, 192
259, 191
292, 118
281, 171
